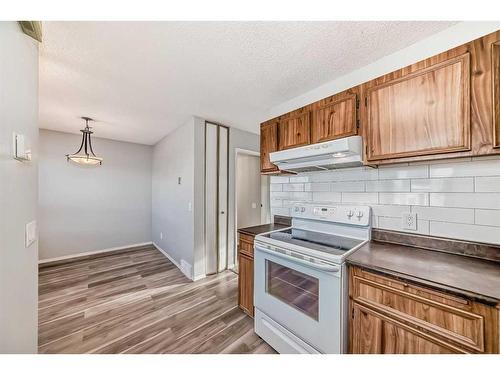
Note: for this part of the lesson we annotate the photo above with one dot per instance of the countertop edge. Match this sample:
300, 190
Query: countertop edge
491, 301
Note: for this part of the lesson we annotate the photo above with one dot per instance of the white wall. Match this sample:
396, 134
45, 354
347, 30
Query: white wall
452, 198
18, 191
87, 209
248, 195
173, 157
454, 36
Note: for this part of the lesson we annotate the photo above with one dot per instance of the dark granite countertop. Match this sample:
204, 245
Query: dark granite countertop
471, 277
258, 229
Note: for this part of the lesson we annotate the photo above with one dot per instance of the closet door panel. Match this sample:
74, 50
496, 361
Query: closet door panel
223, 196
211, 207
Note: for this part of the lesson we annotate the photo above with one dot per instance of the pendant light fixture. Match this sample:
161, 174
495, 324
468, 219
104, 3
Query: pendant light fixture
85, 155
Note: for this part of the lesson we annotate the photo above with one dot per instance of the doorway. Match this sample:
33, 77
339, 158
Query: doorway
252, 202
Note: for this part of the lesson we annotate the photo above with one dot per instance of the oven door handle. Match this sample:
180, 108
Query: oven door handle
322, 267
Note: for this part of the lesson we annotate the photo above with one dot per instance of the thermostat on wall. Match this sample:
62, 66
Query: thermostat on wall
19, 151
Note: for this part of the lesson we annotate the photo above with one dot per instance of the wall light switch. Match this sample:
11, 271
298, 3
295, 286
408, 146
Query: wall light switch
30, 234
190, 207
254, 205
179, 180
19, 151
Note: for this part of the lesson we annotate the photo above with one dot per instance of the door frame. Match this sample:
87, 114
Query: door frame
238, 151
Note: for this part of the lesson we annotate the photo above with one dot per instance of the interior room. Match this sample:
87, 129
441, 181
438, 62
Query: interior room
249, 187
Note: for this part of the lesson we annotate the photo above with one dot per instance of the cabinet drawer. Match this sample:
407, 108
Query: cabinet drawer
444, 316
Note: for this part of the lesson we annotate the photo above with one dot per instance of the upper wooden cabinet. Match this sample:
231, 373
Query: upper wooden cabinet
334, 117
425, 112
495, 53
268, 144
294, 130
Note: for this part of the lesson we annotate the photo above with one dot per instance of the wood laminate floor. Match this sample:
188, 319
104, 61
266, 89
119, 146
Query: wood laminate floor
139, 302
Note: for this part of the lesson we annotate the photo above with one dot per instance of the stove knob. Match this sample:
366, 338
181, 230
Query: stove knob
296, 209
359, 214
350, 213
302, 209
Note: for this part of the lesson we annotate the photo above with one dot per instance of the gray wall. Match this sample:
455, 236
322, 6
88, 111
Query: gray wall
88, 209
173, 157
18, 191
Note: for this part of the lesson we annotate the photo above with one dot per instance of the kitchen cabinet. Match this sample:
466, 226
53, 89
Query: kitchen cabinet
245, 273
334, 117
495, 57
268, 144
421, 113
389, 315
294, 130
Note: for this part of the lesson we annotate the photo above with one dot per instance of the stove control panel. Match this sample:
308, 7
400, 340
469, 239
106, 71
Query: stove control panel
345, 214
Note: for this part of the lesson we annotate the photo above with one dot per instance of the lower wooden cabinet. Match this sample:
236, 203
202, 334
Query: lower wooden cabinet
391, 316
245, 274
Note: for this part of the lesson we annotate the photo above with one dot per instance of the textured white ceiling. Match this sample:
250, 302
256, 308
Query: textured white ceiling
141, 80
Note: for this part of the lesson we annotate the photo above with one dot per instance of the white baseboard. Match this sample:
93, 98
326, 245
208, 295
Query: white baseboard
78, 255
199, 277
169, 257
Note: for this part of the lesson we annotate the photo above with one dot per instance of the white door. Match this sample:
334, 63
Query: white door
216, 197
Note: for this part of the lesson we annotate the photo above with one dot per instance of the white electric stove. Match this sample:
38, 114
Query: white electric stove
300, 279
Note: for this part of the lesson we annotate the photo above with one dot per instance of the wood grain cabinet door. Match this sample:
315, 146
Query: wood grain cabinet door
268, 144
495, 53
334, 120
245, 284
375, 334
423, 113
295, 131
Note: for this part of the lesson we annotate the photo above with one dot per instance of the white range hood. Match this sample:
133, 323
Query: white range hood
339, 153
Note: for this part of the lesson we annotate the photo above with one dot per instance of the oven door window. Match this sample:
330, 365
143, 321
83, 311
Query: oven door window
294, 288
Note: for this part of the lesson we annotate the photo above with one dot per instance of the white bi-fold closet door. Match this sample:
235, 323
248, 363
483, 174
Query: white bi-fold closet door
216, 197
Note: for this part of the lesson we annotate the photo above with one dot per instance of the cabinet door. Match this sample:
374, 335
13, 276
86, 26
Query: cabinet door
373, 334
423, 113
334, 120
245, 284
496, 93
268, 144
295, 131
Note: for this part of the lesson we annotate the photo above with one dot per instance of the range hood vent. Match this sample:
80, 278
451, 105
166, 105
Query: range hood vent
339, 153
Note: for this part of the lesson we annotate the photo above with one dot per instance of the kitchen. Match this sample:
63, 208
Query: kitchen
407, 232
261, 187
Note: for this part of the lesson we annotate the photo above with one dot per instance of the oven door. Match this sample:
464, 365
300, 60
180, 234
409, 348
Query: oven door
303, 297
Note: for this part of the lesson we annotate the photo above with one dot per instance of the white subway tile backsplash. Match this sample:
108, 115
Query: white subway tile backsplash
488, 217
388, 185
317, 186
357, 174
281, 211
469, 232
348, 186
452, 215
488, 184
360, 198
293, 187
299, 179
276, 187
457, 198
465, 184
279, 180
402, 172
490, 167
466, 200
327, 197
389, 210
412, 199
323, 176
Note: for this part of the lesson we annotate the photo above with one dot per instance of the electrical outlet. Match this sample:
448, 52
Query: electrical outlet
409, 221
